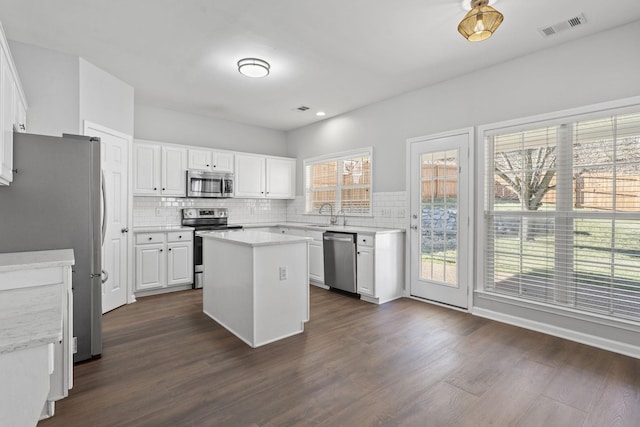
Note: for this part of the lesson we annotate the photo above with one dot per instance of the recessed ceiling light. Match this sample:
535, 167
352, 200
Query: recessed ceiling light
321, 113
253, 67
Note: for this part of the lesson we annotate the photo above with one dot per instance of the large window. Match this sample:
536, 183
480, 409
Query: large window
342, 180
562, 214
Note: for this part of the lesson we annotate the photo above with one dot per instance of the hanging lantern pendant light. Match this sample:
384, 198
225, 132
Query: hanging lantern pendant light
480, 22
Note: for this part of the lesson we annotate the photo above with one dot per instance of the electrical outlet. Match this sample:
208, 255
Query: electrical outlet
284, 273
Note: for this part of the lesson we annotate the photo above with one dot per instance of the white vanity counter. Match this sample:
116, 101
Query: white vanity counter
256, 284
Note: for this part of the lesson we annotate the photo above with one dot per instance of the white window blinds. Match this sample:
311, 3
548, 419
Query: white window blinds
342, 180
562, 214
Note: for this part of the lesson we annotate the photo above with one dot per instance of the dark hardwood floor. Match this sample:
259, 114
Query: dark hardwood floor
405, 363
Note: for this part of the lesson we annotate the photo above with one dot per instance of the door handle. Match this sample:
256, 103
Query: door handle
124, 230
104, 207
414, 227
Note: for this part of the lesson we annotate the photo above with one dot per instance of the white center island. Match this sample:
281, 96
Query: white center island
256, 284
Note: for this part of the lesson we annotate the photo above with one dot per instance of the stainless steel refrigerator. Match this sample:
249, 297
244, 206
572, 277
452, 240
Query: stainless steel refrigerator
54, 202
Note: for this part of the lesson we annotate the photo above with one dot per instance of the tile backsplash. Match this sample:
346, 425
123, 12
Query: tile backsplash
390, 210
167, 210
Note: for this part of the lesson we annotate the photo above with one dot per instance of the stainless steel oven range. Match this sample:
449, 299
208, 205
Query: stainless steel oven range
204, 219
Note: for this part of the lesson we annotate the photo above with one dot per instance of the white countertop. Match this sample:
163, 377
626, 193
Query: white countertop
326, 227
41, 325
252, 238
12, 261
30, 315
161, 228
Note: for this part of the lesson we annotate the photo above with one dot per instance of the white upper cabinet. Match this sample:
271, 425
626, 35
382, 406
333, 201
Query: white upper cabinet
222, 161
250, 177
173, 171
200, 159
210, 160
264, 176
281, 178
146, 163
13, 110
6, 121
159, 169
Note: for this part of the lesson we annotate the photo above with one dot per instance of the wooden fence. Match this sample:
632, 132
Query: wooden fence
591, 191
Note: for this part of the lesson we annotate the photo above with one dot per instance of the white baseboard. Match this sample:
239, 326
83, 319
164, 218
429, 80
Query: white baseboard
592, 340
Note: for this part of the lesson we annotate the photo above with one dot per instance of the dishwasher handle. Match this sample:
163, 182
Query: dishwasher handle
339, 239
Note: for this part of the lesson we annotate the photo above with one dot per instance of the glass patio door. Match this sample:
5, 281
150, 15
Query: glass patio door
439, 234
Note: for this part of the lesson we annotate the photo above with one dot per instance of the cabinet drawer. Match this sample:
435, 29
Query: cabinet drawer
179, 236
142, 238
365, 240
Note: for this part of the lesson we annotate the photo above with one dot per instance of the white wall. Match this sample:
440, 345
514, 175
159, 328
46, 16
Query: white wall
63, 90
159, 124
595, 69
50, 83
104, 99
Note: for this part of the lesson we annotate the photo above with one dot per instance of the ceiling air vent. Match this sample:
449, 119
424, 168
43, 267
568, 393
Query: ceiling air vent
563, 26
302, 108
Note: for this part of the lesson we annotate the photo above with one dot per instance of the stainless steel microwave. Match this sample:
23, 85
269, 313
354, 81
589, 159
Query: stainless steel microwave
209, 184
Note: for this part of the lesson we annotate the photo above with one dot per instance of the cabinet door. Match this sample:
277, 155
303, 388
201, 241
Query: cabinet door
19, 114
365, 279
147, 173
316, 262
222, 162
179, 264
200, 159
7, 105
174, 171
281, 175
150, 267
249, 178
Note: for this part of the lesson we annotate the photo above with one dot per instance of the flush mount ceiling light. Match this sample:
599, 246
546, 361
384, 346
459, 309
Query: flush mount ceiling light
253, 67
480, 22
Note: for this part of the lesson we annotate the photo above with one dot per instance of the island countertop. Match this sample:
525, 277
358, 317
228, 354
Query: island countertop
252, 238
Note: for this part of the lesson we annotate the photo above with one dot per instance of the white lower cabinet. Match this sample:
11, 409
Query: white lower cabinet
163, 260
179, 263
316, 258
380, 266
365, 281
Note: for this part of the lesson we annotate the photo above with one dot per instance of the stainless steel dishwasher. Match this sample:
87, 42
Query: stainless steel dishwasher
340, 260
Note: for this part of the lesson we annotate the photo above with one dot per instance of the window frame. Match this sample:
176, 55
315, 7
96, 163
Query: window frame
337, 202
597, 111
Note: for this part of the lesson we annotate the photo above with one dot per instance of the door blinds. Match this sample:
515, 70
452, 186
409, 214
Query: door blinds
562, 214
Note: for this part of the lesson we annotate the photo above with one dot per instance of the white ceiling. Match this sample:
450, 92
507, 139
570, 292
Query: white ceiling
330, 55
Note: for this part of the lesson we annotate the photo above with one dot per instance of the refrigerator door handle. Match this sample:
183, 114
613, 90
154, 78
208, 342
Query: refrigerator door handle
104, 208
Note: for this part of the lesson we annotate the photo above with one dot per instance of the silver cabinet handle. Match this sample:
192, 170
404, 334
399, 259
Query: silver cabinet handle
104, 207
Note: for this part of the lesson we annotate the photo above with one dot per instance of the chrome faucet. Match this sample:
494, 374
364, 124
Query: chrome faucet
332, 219
344, 217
